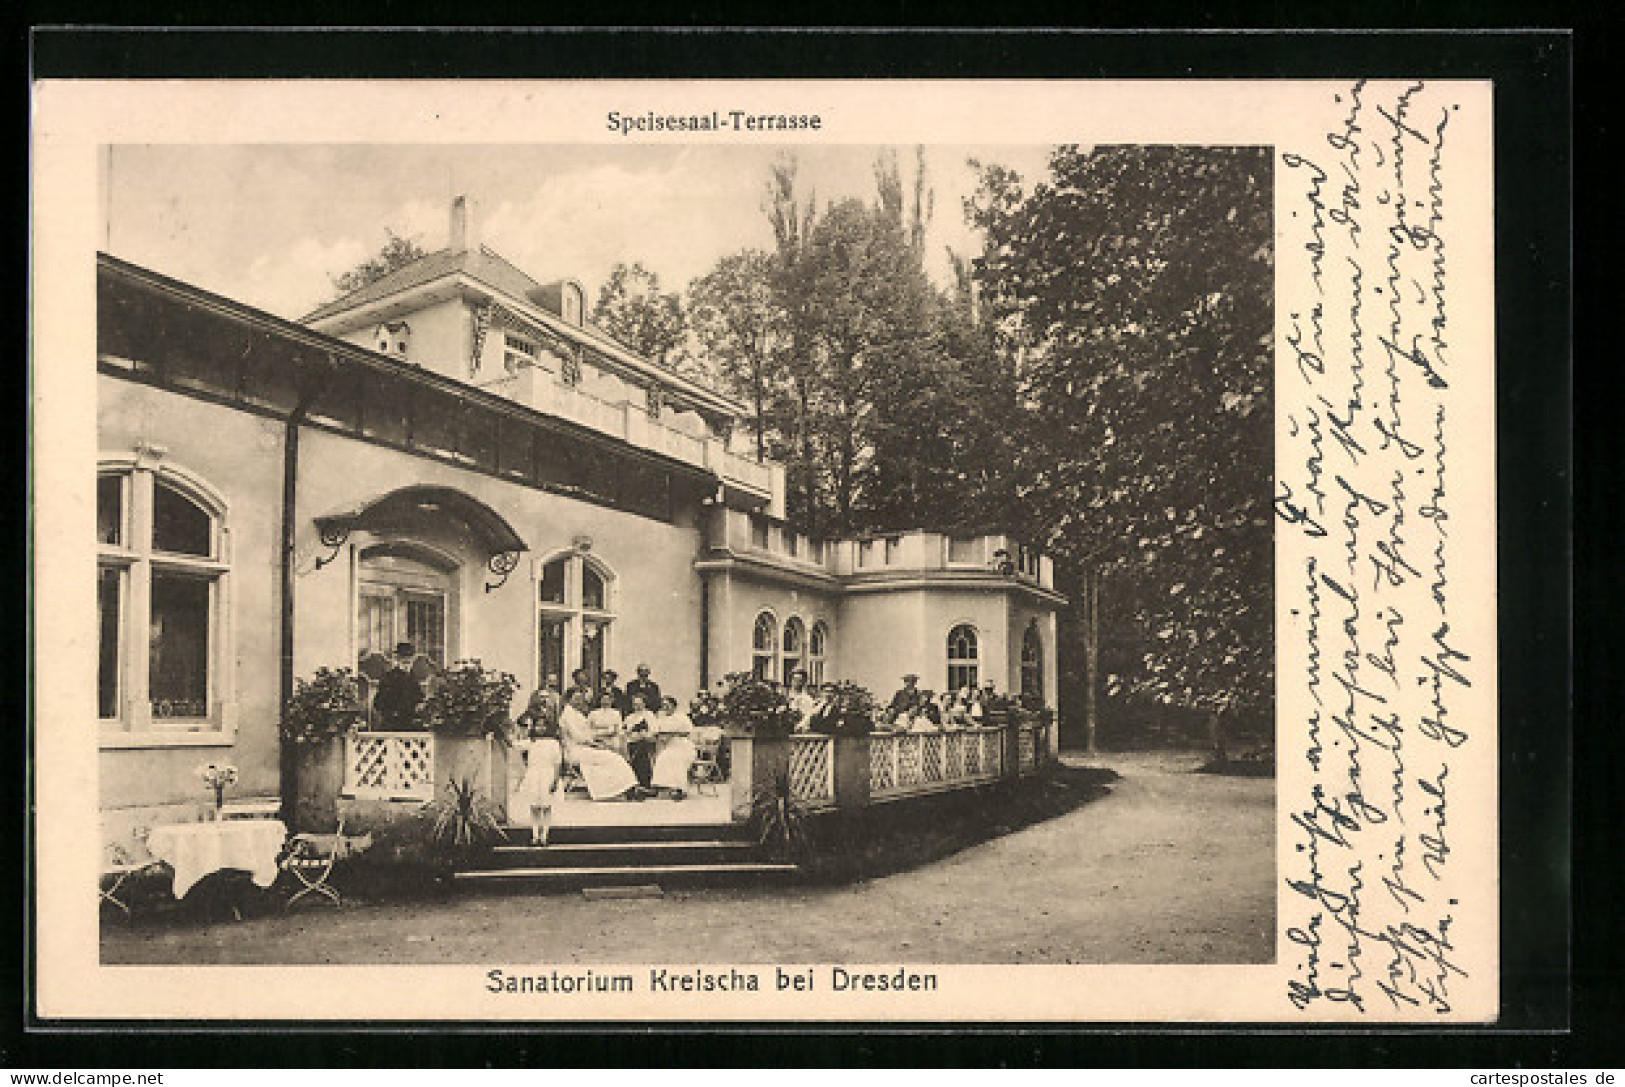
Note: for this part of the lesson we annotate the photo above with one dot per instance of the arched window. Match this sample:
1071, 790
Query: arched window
764, 644
574, 613
962, 659
162, 576
794, 647
817, 650
1032, 664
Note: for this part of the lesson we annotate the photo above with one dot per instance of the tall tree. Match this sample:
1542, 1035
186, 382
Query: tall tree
632, 308
741, 325
1132, 291
397, 252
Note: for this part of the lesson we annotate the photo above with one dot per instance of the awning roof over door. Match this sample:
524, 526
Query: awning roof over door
400, 510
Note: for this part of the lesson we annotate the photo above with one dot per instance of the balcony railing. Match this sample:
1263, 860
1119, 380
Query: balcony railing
812, 769
389, 765
901, 763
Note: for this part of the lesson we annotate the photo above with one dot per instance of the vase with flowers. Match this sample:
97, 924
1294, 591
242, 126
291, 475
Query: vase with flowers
218, 777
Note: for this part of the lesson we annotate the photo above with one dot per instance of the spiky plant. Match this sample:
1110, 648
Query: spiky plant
464, 820
779, 819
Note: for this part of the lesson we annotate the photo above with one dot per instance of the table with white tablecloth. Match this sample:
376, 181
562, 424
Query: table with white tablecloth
195, 850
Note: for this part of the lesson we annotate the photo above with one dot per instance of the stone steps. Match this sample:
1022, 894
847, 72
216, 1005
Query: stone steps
602, 856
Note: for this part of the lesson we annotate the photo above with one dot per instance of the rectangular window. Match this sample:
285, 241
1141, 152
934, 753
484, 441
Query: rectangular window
517, 352
592, 648
110, 510
377, 625
426, 625
110, 604
894, 549
550, 642
866, 553
961, 675
178, 674
965, 551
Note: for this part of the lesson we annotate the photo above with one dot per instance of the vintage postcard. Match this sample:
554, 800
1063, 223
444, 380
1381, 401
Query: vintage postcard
765, 551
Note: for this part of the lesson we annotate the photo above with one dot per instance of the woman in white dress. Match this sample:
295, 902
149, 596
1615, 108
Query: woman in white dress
607, 774
675, 755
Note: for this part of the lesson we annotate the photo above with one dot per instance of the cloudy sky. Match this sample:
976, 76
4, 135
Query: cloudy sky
271, 224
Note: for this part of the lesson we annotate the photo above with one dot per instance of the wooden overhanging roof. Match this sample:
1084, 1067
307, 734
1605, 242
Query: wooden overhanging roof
311, 352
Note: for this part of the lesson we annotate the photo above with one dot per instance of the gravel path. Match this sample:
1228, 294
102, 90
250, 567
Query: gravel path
1171, 867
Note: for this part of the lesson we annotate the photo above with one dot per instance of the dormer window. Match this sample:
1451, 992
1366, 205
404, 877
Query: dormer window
393, 338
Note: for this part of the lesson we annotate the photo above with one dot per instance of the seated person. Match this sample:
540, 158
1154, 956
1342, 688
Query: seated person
606, 773
825, 713
638, 732
925, 717
606, 723
675, 753
714, 737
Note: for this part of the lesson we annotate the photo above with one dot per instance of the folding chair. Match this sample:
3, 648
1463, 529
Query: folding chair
570, 779
706, 772
118, 866
312, 857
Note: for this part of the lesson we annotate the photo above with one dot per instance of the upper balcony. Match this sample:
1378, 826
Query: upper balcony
880, 557
682, 436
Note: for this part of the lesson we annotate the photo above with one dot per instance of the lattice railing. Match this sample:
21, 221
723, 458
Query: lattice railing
393, 765
1032, 744
812, 769
883, 764
912, 762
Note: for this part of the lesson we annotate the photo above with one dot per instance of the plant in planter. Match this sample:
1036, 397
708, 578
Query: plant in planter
780, 821
324, 707
854, 709
465, 821
756, 707
706, 710
469, 700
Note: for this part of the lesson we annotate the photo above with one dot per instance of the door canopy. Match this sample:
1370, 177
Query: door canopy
410, 509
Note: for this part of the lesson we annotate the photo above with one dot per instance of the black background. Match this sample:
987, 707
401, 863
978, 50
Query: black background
1555, 1015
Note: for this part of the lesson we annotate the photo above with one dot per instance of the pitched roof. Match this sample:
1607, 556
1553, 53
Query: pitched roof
482, 264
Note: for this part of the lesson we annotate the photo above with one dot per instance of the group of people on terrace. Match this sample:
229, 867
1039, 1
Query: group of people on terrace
628, 743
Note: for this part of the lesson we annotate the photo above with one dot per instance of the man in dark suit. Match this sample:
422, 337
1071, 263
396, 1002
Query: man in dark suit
399, 693
645, 688
607, 685
906, 698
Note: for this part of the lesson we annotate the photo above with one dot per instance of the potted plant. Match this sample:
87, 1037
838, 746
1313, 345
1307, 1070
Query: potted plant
466, 823
755, 707
469, 700
468, 711
322, 710
854, 709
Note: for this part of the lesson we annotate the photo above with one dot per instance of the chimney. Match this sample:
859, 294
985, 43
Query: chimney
464, 230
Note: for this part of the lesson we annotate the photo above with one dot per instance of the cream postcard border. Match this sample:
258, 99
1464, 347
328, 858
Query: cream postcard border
73, 119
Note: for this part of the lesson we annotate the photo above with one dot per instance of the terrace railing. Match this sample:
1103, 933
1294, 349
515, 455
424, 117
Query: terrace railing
389, 765
812, 769
903, 763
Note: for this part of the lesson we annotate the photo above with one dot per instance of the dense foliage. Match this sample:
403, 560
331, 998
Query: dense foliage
323, 707
469, 700
1133, 289
1096, 381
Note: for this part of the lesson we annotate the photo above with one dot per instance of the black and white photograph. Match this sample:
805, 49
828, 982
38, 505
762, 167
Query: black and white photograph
733, 556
